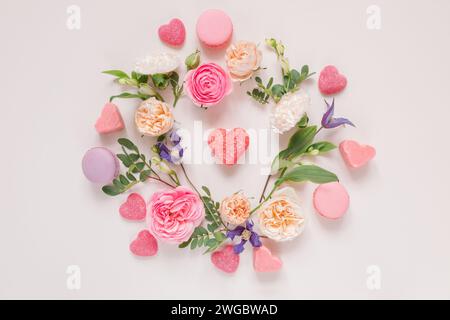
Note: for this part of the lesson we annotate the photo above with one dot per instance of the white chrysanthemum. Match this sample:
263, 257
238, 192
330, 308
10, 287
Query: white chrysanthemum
289, 110
158, 63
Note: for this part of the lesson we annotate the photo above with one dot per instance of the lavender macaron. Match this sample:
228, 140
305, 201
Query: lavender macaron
100, 165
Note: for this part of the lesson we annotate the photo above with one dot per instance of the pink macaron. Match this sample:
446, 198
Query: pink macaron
331, 200
214, 28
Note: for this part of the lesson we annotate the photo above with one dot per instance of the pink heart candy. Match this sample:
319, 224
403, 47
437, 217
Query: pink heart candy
228, 145
110, 119
145, 244
134, 208
356, 155
265, 261
225, 259
331, 81
173, 33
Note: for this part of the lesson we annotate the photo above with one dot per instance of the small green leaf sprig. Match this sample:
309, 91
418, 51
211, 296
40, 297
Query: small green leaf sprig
211, 236
139, 169
148, 86
292, 78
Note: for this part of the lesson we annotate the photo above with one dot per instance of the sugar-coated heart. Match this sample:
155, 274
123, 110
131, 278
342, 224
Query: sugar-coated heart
225, 259
331, 81
356, 155
134, 208
145, 244
265, 261
110, 119
173, 33
228, 145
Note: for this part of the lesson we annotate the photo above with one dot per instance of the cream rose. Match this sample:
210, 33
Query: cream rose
243, 58
281, 218
153, 117
235, 209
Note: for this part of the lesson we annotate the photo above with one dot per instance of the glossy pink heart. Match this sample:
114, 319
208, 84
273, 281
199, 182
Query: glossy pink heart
227, 146
110, 119
331, 81
145, 244
265, 261
173, 33
134, 208
225, 259
356, 155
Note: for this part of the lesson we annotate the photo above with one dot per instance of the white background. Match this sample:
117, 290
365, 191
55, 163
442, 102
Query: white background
53, 90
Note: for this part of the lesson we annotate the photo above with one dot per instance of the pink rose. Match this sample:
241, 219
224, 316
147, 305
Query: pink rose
208, 84
174, 214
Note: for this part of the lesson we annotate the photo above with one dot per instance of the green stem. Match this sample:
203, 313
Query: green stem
201, 198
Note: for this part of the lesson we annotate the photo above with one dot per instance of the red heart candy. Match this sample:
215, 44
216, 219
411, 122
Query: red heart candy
228, 146
265, 261
356, 155
110, 119
225, 259
145, 244
331, 81
173, 33
134, 208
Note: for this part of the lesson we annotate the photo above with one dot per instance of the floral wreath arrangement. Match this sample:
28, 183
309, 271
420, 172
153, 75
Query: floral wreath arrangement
187, 215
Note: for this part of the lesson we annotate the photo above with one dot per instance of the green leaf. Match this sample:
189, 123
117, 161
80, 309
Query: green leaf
118, 184
299, 142
160, 80
117, 73
295, 76
278, 91
311, 173
111, 190
128, 144
206, 190
128, 95
322, 146
201, 230
184, 244
130, 177
144, 175
219, 236
124, 159
211, 243
303, 122
123, 180
194, 243
280, 163
134, 157
258, 80
212, 227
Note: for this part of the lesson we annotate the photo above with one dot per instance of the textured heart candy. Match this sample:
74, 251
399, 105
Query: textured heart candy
173, 33
110, 119
228, 146
145, 244
225, 259
134, 208
331, 81
356, 155
265, 261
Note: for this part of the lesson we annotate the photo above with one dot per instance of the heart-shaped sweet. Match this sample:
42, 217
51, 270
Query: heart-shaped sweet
228, 145
356, 155
225, 259
331, 81
145, 244
173, 33
134, 208
265, 261
110, 119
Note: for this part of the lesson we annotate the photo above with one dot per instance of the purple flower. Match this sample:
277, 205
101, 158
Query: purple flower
329, 122
170, 148
247, 234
